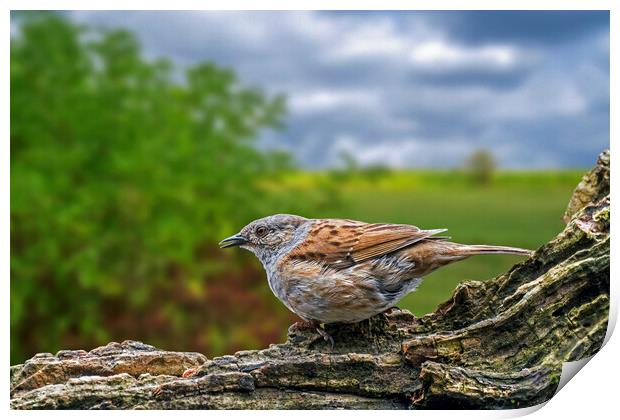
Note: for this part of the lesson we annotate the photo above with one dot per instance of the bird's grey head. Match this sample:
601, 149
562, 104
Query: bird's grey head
268, 236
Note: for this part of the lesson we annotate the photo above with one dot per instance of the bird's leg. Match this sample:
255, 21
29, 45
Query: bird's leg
316, 325
328, 338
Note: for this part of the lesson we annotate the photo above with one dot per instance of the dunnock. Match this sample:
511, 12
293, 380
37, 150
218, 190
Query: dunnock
334, 270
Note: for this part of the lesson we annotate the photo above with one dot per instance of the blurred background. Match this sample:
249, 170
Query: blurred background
141, 139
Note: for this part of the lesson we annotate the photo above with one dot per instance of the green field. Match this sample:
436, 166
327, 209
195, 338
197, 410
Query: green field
521, 209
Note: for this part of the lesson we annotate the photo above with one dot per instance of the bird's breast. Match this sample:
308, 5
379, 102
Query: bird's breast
317, 292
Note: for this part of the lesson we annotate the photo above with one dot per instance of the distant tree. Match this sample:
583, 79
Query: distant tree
376, 171
348, 167
349, 161
481, 165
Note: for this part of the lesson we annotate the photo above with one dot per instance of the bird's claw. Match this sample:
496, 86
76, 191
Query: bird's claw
316, 325
328, 338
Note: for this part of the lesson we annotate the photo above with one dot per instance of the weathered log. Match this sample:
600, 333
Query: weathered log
494, 344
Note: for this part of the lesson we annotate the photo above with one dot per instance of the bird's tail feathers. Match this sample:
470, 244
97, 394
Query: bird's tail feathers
430, 255
468, 250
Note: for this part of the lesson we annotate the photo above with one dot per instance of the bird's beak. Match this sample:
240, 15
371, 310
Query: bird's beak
235, 240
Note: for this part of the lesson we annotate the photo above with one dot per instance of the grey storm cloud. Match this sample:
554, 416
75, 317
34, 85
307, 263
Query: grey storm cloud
408, 89
522, 26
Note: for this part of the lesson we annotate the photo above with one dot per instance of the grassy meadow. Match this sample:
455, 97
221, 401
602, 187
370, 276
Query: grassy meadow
521, 209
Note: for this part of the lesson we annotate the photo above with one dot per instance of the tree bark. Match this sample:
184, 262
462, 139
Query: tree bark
494, 344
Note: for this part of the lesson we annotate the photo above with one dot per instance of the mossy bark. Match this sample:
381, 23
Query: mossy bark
494, 344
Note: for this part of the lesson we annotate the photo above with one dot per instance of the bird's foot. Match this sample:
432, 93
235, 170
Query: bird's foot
328, 338
313, 325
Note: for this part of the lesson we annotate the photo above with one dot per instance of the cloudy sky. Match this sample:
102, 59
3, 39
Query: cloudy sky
408, 89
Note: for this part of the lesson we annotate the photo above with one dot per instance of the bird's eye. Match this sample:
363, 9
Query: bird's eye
261, 231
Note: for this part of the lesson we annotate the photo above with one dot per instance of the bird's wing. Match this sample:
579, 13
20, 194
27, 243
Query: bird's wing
343, 243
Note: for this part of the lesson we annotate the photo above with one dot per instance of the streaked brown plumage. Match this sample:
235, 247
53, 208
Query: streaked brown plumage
335, 270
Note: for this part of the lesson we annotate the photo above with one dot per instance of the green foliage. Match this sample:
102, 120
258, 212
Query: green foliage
121, 174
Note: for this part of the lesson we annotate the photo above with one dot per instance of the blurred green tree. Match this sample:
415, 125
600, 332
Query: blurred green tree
347, 169
375, 172
123, 177
481, 165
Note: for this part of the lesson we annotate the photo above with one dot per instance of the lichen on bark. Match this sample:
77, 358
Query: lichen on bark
494, 344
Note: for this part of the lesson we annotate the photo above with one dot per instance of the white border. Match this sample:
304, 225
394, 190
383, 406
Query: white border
592, 395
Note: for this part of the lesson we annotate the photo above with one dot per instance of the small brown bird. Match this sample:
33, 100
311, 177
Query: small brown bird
334, 270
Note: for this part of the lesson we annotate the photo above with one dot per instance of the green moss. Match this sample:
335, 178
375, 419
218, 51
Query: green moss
602, 216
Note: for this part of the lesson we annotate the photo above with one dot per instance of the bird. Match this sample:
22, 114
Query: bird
330, 271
